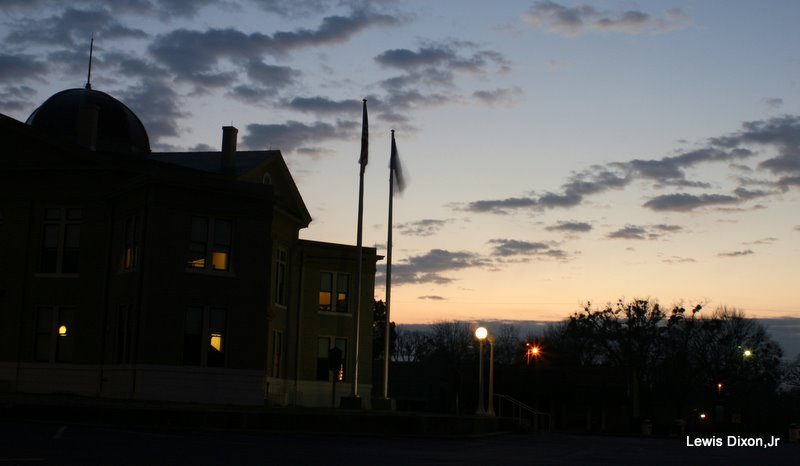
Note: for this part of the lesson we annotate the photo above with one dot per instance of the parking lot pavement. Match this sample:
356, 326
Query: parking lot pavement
55, 443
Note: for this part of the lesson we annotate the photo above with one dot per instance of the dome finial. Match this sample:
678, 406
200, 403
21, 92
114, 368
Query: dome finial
89, 76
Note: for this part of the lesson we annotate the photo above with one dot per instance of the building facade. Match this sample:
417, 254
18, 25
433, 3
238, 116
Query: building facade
165, 276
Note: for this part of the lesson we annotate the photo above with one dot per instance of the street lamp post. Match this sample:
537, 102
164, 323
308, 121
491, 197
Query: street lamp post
490, 411
480, 333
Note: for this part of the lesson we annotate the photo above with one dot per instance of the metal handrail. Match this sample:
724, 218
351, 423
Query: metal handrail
521, 413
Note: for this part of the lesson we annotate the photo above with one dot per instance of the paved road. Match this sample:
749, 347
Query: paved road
52, 443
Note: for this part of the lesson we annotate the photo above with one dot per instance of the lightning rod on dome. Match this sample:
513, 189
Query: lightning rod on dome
89, 75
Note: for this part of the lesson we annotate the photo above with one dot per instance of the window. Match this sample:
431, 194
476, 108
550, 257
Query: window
130, 247
281, 262
61, 237
277, 353
327, 291
54, 334
204, 340
324, 347
342, 292
210, 244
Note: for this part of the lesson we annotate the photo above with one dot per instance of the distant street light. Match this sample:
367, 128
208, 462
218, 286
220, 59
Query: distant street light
531, 353
480, 333
747, 353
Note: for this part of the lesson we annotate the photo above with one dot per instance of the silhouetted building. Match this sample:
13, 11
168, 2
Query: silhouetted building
164, 276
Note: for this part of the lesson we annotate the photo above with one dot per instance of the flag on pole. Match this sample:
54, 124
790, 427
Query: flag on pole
396, 168
364, 138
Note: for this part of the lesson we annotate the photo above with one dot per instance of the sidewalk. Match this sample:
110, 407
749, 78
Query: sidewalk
187, 416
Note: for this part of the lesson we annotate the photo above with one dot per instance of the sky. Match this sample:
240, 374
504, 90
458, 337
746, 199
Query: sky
556, 152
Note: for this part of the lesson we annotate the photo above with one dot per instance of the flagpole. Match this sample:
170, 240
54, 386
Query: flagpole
386, 332
363, 162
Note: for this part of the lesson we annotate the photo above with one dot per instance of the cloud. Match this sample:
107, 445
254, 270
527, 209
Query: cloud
325, 106
292, 9
773, 103
762, 241
573, 21
16, 98
159, 107
678, 260
179, 8
746, 252
436, 68
629, 232
684, 202
500, 206
431, 266
669, 171
597, 180
781, 134
159, 8
425, 227
21, 67
294, 135
265, 81
785, 182
197, 56
571, 227
638, 232
423, 57
129, 65
440, 57
498, 96
668, 228
270, 75
512, 247
432, 298
71, 28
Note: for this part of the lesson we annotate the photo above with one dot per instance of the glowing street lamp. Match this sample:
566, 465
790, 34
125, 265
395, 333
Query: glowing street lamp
480, 333
747, 353
533, 352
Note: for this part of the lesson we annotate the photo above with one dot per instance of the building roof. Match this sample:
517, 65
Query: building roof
245, 161
119, 130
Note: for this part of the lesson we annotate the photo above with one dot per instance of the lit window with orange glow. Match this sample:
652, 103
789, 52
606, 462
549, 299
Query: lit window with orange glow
204, 338
54, 338
325, 291
221, 245
216, 342
342, 292
215, 356
219, 260
210, 244
334, 292
130, 244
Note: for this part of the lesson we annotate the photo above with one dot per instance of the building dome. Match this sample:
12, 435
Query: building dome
118, 128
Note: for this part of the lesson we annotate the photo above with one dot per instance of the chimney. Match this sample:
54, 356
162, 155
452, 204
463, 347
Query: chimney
227, 161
